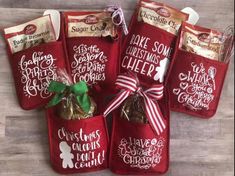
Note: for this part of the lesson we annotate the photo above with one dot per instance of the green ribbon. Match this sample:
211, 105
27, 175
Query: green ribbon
79, 90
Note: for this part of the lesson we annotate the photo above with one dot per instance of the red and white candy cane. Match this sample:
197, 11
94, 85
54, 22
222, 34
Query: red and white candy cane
117, 13
128, 86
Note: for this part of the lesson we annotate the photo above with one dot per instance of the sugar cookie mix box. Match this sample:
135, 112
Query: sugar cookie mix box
93, 43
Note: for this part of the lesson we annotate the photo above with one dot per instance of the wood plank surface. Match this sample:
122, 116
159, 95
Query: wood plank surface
198, 147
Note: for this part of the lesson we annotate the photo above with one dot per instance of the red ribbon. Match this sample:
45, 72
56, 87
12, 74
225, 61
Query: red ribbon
128, 86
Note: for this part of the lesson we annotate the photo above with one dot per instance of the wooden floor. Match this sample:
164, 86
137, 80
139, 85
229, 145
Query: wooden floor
198, 147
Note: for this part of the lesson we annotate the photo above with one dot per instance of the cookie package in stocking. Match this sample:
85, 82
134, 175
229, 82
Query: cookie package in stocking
140, 130
93, 40
34, 54
149, 47
197, 75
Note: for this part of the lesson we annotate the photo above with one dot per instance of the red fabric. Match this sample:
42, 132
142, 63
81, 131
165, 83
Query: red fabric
33, 69
136, 149
136, 65
192, 89
110, 49
77, 145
